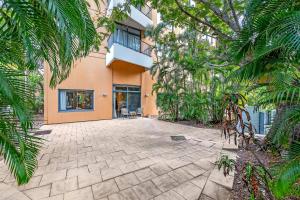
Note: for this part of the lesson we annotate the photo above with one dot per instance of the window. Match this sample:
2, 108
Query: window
76, 100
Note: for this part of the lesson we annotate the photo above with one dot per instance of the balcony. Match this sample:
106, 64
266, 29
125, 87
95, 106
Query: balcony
142, 15
127, 46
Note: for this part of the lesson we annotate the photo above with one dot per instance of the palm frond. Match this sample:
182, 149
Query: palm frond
289, 174
18, 146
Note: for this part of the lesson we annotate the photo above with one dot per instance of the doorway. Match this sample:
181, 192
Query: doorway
125, 96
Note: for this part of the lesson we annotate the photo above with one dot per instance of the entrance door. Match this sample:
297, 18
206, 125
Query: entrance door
126, 97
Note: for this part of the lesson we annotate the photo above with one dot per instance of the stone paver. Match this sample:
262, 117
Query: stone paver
145, 174
194, 170
63, 186
81, 194
54, 176
146, 190
188, 190
160, 168
88, 179
110, 173
170, 195
124, 159
180, 175
105, 188
126, 181
38, 193
165, 182
78, 171
216, 191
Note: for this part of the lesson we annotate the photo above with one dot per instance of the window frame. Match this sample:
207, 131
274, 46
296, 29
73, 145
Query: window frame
77, 110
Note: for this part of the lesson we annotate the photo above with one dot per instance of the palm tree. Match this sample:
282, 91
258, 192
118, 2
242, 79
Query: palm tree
269, 49
31, 32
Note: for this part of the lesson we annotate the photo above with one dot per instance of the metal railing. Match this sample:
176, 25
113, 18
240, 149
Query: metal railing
146, 10
130, 41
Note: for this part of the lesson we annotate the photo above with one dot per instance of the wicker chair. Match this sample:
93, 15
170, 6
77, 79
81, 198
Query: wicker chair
124, 113
139, 112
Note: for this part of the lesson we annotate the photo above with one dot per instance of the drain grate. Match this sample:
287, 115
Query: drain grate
44, 132
178, 137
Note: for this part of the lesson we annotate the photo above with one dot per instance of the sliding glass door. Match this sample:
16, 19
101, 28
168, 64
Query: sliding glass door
128, 97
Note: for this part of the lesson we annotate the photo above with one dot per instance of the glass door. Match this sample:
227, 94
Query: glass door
128, 97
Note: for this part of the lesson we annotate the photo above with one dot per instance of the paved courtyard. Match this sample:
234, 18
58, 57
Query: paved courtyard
131, 159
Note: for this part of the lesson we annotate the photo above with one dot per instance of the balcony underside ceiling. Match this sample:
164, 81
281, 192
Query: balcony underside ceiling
132, 23
119, 52
117, 64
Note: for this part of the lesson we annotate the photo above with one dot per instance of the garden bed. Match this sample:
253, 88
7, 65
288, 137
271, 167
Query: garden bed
196, 124
244, 156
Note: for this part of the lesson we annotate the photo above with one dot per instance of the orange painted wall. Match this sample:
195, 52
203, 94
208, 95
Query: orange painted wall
89, 73
126, 73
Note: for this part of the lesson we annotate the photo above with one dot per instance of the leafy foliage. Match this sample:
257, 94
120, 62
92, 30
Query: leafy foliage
256, 53
190, 85
235, 123
32, 32
226, 163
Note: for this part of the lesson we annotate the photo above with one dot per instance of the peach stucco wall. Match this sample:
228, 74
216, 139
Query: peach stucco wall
88, 74
91, 73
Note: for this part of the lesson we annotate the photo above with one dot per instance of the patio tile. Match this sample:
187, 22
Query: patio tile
116, 196
170, 195
67, 165
188, 190
18, 196
115, 162
164, 182
199, 181
145, 174
129, 167
54, 176
9, 192
85, 161
89, 179
57, 197
77, 171
180, 176
126, 181
145, 162
205, 164
146, 190
176, 163
110, 173
130, 158
204, 197
63, 186
160, 168
215, 191
218, 177
194, 170
81, 194
97, 166
38, 193
129, 194
104, 189
118, 154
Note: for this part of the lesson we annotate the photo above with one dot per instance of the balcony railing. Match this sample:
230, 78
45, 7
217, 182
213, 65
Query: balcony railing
145, 9
130, 41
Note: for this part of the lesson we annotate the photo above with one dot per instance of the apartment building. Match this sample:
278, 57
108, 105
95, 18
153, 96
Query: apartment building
106, 82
